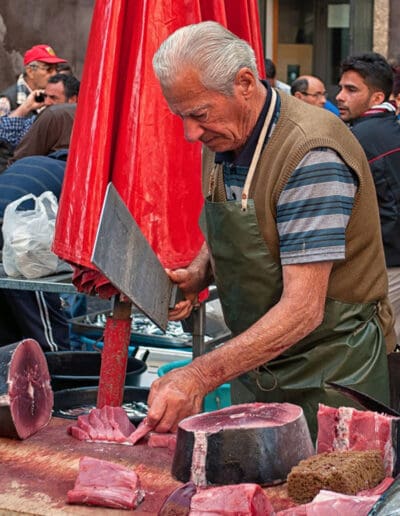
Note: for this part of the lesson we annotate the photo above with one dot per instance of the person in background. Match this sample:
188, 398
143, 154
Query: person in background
40, 64
51, 131
64, 68
300, 274
365, 86
270, 73
311, 89
35, 314
60, 89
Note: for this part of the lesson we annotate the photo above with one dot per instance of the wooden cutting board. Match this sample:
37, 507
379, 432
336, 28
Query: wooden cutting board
36, 474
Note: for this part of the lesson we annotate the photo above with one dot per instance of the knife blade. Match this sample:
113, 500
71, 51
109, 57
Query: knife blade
124, 256
363, 399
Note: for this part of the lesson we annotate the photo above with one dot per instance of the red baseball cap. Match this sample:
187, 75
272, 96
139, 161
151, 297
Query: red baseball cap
42, 53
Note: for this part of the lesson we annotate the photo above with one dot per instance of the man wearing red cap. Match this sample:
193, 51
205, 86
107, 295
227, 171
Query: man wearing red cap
40, 63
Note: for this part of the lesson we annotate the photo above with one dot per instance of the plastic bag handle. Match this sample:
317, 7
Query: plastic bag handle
14, 204
48, 196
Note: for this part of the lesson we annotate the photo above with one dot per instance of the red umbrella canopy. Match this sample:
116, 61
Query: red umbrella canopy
125, 133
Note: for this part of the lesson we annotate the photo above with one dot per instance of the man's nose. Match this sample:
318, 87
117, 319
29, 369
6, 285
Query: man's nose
192, 130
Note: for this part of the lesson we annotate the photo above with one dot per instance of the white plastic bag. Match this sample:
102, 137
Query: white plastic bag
28, 236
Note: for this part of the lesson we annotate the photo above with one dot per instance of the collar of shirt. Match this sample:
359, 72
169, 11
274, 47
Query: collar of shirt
385, 107
23, 90
245, 157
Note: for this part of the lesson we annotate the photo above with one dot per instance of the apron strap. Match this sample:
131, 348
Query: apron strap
257, 152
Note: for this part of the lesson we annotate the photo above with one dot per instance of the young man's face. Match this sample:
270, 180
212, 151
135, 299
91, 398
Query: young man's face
354, 97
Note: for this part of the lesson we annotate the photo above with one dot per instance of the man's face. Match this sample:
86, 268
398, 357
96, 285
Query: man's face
354, 97
219, 122
316, 93
54, 94
39, 74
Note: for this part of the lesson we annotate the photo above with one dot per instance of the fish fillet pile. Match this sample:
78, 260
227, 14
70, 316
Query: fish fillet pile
111, 424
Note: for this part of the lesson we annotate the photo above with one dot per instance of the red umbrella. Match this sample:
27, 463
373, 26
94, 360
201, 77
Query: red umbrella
125, 133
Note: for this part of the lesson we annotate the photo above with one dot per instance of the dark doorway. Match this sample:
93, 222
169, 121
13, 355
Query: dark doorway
315, 35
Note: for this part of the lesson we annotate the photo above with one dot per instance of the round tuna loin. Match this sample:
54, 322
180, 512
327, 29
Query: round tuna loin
248, 443
26, 397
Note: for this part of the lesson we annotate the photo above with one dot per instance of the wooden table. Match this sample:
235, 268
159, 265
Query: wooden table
35, 474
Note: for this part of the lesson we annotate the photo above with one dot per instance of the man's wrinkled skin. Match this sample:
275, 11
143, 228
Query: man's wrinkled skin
224, 123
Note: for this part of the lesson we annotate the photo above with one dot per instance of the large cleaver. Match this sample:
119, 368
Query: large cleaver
124, 256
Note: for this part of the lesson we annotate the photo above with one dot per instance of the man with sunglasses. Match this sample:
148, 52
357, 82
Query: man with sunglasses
40, 63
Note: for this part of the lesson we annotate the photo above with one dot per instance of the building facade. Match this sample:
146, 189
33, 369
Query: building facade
313, 36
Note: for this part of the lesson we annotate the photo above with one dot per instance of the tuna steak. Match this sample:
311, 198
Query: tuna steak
346, 428
106, 484
247, 443
26, 398
234, 500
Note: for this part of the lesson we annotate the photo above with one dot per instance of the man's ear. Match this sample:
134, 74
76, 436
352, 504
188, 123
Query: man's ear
245, 82
297, 94
377, 97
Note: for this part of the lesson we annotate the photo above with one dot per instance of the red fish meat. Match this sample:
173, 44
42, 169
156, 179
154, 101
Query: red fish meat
106, 484
26, 397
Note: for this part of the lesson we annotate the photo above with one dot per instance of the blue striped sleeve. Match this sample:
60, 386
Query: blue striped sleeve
314, 209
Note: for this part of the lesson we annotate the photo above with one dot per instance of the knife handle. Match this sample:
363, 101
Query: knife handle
176, 296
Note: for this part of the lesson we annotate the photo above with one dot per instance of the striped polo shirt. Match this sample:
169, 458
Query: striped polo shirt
314, 208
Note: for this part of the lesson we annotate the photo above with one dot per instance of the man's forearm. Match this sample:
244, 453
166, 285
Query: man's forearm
201, 268
297, 314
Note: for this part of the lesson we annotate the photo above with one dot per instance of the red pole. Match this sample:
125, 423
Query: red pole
114, 357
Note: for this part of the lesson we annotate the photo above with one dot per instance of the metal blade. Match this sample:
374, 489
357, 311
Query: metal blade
363, 399
122, 253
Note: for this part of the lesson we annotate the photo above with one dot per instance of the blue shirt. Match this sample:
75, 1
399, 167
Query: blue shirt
13, 129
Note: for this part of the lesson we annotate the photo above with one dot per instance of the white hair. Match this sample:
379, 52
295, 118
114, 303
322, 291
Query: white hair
215, 52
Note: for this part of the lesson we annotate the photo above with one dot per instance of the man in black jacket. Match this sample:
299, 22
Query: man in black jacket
363, 100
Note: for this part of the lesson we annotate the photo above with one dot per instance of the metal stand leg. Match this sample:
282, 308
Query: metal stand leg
199, 322
114, 357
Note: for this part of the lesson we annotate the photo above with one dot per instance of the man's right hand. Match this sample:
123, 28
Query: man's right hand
30, 104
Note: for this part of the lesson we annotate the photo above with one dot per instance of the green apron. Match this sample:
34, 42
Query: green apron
348, 347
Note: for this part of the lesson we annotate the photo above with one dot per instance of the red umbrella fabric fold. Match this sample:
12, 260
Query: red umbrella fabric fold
125, 133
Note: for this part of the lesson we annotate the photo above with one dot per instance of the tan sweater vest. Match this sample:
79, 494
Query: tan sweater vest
361, 277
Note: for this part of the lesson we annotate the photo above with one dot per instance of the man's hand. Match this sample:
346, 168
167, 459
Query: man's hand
187, 283
173, 397
192, 280
30, 104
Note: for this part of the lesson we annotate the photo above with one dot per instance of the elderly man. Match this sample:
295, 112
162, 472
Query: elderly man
40, 63
293, 241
